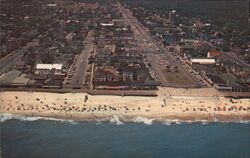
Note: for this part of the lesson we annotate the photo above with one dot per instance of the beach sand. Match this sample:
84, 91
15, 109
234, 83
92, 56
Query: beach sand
82, 106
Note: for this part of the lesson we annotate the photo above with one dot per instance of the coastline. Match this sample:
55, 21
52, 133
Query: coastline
125, 119
164, 107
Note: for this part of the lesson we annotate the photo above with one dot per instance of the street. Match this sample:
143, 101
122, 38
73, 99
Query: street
150, 47
80, 66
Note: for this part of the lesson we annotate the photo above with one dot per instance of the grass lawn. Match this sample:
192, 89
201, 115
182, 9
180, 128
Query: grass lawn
179, 78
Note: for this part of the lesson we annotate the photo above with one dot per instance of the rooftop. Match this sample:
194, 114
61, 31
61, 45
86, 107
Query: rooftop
49, 66
9, 76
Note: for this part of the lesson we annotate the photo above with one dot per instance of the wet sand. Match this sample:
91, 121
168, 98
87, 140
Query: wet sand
82, 106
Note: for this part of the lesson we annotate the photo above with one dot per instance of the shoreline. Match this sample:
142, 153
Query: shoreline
121, 120
75, 106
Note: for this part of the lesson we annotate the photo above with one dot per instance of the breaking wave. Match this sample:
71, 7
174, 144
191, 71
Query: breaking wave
118, 121
115, 120
7, 116
144, 120
170, 122
204, 122
243, 121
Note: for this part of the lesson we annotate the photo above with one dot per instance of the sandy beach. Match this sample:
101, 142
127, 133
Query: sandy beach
82, 106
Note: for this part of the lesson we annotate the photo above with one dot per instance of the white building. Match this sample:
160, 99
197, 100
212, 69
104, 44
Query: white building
51, 5
203, 61
46, 69
107, 24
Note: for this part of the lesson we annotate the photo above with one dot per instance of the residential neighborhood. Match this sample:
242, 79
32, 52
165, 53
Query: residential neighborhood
66, 45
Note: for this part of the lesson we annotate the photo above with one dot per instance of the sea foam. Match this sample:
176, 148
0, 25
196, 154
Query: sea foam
170, 122
144, 120
7, 116
118, 121
115, 120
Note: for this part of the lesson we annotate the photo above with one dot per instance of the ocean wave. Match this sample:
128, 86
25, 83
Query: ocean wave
169, 122
203, 122
7, 116
243, 121
119, 121
144, 120
115, 120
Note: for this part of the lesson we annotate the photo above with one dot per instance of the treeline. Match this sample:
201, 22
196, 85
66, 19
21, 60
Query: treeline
219, 11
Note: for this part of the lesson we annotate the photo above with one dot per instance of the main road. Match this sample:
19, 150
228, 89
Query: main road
149, 46
81, 63
142, 38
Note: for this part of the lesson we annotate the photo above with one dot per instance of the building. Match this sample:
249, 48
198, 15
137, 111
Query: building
223, 87
7, 79
107, 24
118, 22
226, 82
36, 81
184, 49
115, 85
108, 75
150, 84
128, 74
54, 81
47, 69
20, 81
51, 5
213, 54
203, 61
171, 16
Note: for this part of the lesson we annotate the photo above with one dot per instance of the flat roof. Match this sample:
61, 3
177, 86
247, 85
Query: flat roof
232, 80
203, 60
52, 5
21, 79
9, 76
107, 24
49, 66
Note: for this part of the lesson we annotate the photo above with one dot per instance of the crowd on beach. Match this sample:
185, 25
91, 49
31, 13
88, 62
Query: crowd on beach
41, 106
96, 107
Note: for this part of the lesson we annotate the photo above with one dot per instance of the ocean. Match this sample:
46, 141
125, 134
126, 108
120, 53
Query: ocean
36, 137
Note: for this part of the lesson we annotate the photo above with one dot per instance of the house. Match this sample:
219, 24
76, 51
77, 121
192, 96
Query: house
225, 82
213, 54
150, 84
36, 81
204, 69
184, 49
55, 81
118, 22
128, 74
142, 74
102, 75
